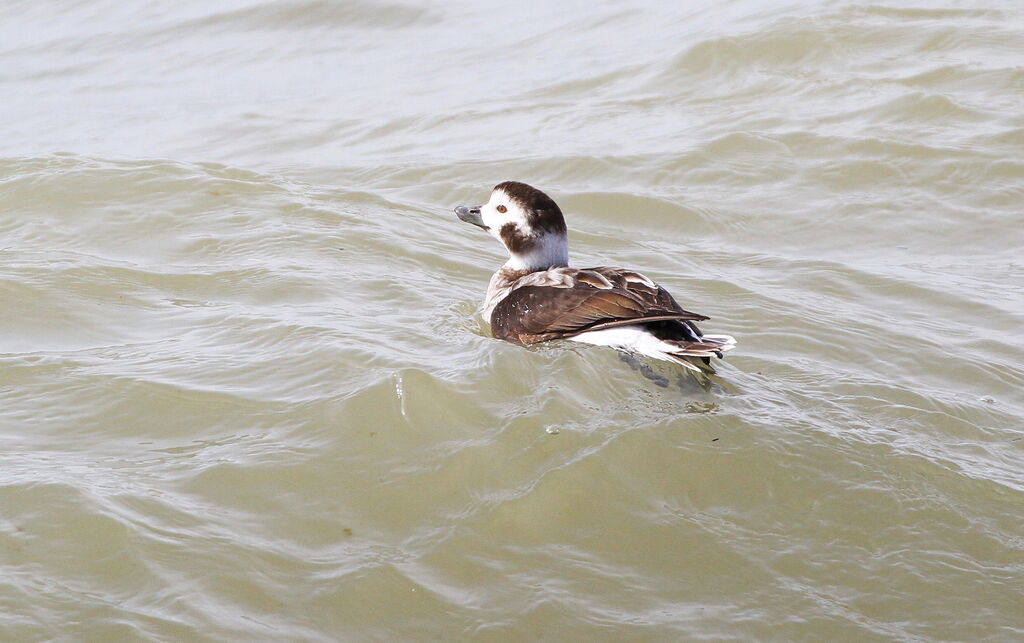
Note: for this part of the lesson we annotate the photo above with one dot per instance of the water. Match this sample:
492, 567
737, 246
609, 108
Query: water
245, 393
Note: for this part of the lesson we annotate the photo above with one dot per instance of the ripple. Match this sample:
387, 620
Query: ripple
241, 351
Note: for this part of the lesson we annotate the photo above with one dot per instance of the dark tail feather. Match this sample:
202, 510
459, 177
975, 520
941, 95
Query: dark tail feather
696, 356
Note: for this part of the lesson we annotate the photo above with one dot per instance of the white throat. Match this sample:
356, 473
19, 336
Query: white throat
550, 251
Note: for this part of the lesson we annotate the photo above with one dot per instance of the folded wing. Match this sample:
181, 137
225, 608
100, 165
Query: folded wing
540, 308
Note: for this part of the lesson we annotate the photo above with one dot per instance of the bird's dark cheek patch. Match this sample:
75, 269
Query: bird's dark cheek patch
514, 239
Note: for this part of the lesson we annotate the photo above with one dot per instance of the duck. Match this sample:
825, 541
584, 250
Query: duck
536, 296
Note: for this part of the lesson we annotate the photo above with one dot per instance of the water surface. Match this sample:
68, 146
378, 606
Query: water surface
245, 392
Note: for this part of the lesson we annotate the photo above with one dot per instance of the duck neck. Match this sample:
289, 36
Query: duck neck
549, 251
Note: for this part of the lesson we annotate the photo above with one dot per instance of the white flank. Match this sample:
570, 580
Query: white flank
635, 339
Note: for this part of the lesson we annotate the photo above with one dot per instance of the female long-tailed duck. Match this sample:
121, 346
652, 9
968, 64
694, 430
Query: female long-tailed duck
536, 296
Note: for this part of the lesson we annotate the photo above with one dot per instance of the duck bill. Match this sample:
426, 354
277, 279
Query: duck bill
470, 215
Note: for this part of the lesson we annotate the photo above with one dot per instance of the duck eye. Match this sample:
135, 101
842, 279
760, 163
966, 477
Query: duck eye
502, 209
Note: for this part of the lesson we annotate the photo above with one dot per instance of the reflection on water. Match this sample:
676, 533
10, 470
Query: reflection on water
245, 392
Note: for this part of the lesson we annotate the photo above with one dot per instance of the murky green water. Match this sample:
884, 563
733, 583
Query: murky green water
245, 393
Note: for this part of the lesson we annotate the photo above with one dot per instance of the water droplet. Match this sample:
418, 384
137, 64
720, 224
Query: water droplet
400, 392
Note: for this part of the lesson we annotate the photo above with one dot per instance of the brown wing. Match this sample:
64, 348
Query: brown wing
593, 299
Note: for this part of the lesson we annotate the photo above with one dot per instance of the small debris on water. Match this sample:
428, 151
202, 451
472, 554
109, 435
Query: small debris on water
551, 431
988, 399
701, 407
